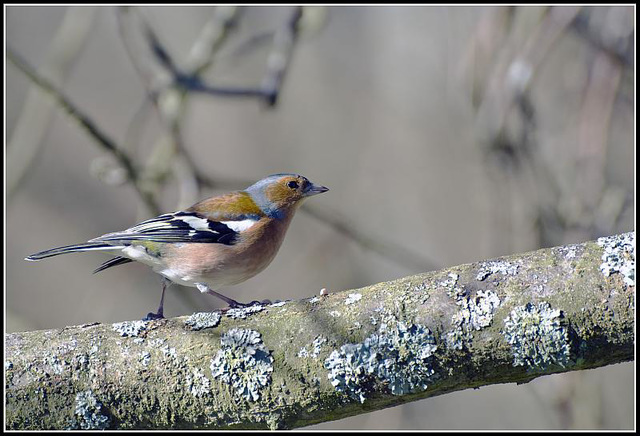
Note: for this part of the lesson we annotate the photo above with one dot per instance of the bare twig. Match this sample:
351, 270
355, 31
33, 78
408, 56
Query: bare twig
211, 39
92, 128
36, 114
278, 62
388, 249
619, 41
596, 113
515, 72
397, 253
507, 92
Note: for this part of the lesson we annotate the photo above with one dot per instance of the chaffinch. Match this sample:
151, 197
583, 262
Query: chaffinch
217, 242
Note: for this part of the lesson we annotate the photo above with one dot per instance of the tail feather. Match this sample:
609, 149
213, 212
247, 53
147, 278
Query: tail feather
112, 262
88, 246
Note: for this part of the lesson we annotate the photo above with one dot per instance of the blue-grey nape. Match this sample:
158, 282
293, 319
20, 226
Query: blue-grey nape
257, 191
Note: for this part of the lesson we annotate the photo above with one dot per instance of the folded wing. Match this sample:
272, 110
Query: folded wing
175, 227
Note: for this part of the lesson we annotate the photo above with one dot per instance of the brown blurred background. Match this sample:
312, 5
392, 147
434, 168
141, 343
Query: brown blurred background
446, 134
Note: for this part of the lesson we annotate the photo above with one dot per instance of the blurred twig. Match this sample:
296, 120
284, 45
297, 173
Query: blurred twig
169, 86
572, 202
515, 72
169, 97
397, 253
100, 136
575, 202
505, 120
280, 56
613, 36
212, 37
383, 246
27, 137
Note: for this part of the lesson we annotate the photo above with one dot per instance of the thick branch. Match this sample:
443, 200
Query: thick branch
290, 365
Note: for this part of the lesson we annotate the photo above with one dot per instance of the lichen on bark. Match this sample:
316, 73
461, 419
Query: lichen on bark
160, 374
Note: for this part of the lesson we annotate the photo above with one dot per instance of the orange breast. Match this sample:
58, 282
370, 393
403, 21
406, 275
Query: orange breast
222, 265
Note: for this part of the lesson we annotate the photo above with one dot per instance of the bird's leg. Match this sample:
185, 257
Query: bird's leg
231, 302
160, 314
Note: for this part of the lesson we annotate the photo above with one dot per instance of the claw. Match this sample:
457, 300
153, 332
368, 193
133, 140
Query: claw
235, 304
151, 316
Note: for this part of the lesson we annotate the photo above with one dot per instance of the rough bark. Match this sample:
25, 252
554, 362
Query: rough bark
297, 363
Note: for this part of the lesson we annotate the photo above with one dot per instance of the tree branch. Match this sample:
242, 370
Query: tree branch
38, 109
293, 364
101, 137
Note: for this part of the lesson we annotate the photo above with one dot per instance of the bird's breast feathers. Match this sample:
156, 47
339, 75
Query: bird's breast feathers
223, 265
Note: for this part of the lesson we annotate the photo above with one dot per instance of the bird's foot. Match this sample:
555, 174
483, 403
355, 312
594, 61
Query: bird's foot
152, 316
233, 304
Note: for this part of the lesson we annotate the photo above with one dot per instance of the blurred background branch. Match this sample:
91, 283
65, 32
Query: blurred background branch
177, 163
28, 135
566, 189
573, 202
101, 138
529, 144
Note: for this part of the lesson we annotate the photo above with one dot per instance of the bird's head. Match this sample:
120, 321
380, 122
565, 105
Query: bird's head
279, 193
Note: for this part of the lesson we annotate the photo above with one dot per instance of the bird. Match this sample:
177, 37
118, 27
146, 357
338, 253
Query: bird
218, 242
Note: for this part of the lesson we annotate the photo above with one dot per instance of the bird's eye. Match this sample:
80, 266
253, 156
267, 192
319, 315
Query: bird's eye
292, 185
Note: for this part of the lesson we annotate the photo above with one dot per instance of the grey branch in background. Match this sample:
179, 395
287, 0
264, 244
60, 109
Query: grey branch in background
575, 200
101, 137
35, 117
297, 363
386, 248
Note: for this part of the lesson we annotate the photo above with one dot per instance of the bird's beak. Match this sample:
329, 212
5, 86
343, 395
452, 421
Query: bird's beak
315, 189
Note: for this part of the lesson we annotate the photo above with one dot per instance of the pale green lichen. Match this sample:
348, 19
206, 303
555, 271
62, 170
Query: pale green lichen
398, 355
475, 313
198, 384
145, 358
537, 336
157, 342
243, 312
619, 256
353, 298
568, 251
451, 281
130, 328
244, 362
88, 413
169, 351
316, 347
53, 365
416, 294
496, 266
203, 320
450, 285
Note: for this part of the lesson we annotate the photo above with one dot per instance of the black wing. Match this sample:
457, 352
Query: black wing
174, 227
